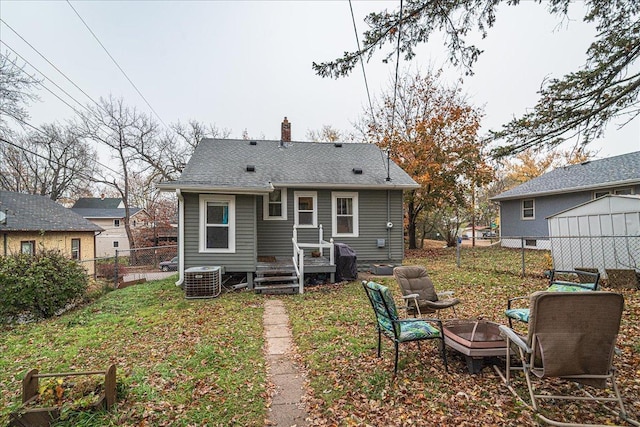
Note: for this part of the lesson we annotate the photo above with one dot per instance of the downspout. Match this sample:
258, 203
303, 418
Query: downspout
5, 243
180, 237
388, 228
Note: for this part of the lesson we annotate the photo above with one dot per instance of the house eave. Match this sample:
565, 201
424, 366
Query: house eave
567, 190
254, 190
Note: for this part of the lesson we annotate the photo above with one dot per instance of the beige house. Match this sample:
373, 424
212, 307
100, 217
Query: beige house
109, 214
30, 224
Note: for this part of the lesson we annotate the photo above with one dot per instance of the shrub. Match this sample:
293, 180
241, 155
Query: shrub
39, 285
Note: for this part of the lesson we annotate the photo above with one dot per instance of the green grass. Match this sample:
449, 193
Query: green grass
179, 362
200, 362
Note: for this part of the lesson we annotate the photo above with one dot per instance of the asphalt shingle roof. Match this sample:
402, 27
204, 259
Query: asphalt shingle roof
222, 164
104, 213
26, 212
613, 171
97, 203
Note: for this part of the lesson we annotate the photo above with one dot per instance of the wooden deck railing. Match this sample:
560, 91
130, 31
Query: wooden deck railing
298, 252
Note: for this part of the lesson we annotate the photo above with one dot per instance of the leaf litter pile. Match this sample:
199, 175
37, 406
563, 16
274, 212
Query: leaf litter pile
200, 362
334, 329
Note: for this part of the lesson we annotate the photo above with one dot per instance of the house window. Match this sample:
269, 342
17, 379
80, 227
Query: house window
344, 214
274, 205
28, 247
217, 224
528, 209
306, 209
624, 191
530, 242
75, 249
116, 244
134, 222
116, 223
598, 194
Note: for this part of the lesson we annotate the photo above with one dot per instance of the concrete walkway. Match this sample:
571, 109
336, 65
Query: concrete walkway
287, 408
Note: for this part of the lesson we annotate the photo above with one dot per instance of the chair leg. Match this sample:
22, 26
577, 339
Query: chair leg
379, 341
510, 323
454, 311
395, 365
444, 356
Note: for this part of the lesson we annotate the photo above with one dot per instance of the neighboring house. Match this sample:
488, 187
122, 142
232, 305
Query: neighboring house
109, 214
524, 209
244, 201
35, 223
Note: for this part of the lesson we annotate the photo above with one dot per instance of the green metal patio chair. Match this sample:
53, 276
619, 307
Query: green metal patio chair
401, 330
558, 282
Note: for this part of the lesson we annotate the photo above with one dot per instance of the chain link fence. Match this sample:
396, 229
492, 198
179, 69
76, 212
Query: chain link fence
131, 265
614, 257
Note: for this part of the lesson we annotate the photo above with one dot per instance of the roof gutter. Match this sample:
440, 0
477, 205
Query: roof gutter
350, 186
214, 190
180, 237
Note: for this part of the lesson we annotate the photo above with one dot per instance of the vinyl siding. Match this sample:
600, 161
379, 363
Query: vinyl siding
274, 237
244, 258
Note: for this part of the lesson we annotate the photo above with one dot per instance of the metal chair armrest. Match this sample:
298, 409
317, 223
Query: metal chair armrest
515, 338
510, 300
410, 296
445, 293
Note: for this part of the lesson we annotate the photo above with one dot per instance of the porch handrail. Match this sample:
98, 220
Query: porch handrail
320, 246
298, 263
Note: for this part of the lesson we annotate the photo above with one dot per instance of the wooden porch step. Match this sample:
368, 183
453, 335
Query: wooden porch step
275, 272
279, 287
275, 279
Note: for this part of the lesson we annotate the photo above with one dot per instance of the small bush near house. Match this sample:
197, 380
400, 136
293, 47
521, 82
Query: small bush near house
39, 286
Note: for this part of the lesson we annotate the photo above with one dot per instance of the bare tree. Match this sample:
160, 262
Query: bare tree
126, 133
53, 162
15, 85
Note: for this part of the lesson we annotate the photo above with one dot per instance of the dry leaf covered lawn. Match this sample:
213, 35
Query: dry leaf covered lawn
335, 333
200, 362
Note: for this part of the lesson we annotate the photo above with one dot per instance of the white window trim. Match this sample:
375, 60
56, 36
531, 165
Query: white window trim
334, 213
532, 208
265, 206
625, 189
296, 197
204, 198
602, 192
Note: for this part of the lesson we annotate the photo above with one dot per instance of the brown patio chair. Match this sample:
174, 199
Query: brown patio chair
419, 293
400, 330
571, 336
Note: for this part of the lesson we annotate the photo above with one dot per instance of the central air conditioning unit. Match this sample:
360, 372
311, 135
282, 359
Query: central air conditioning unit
202, 282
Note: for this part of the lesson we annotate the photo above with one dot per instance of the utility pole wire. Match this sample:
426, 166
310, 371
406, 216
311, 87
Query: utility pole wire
117, 65
366, 84
48, 62
80, 174
45, 134
395, 92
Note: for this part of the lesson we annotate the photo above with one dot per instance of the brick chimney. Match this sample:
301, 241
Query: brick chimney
285, 131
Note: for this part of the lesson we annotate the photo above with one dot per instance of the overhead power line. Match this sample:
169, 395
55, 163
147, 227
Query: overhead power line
47, 78
48, 62
364, 73
395, 91
117, 65
45, 134
18, 146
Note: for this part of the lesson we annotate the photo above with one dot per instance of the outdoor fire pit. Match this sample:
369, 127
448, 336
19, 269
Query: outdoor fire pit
475, 339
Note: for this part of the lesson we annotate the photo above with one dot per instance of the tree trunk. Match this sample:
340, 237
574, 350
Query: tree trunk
411, 227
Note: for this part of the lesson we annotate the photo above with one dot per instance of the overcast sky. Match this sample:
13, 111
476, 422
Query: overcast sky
244, 65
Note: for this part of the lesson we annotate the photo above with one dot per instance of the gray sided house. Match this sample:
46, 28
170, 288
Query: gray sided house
243, 203
524, 209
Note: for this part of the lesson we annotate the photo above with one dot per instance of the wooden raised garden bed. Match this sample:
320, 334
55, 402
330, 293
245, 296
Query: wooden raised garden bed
29, 415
